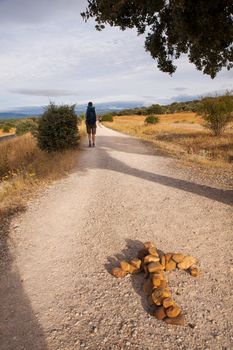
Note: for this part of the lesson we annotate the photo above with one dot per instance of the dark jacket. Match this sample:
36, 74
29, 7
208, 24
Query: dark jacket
90, 116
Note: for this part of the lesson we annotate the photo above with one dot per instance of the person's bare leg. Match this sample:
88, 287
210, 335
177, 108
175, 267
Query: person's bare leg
89, 138
93, 139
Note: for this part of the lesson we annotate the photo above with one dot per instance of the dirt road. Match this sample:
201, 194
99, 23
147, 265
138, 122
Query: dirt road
55, 289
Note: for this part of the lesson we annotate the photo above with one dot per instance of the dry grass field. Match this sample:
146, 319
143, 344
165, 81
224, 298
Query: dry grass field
24, 168
182, 135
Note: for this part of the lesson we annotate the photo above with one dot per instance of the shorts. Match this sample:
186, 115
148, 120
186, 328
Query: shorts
91, 129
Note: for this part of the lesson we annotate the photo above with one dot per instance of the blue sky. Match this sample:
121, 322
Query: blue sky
49, 53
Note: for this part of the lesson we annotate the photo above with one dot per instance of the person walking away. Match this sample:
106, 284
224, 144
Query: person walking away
91, 123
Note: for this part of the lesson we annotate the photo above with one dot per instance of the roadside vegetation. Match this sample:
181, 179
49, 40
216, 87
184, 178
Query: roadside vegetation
7, 127
26, 167
199, 131
25, 126
217, 113
107, 118
182, 135
58, 128
17, 126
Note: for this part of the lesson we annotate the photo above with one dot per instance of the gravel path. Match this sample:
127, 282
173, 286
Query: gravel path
55, 289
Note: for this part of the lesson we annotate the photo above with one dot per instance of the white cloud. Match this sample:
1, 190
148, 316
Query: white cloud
44, 92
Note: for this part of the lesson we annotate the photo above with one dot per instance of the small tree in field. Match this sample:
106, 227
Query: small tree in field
154, 109
57, 129
217, 112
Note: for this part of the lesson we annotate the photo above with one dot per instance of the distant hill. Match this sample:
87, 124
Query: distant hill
101, 108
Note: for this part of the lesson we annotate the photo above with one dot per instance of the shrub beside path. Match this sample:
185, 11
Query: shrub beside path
56, 291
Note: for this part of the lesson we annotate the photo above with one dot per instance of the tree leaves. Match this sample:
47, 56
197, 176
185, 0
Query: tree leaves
202, 29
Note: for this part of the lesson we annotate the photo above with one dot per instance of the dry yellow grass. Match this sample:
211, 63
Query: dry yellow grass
184, 117
25, 168
11, 132
183, 135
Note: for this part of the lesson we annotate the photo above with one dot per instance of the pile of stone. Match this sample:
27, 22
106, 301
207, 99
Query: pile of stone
154, 264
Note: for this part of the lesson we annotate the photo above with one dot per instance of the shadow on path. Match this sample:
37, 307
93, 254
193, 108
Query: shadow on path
19, 327
131, 145
128, 144
222, 196
128, 253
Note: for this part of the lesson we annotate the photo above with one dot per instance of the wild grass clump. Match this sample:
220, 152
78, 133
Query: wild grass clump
152, 119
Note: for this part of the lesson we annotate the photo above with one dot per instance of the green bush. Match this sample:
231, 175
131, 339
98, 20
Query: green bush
57, 129
107, 118
6, 128
10, 123
217, 112
25, 126
152, 119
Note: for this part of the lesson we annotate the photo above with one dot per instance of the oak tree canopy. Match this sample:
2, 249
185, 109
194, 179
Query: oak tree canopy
202, 29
